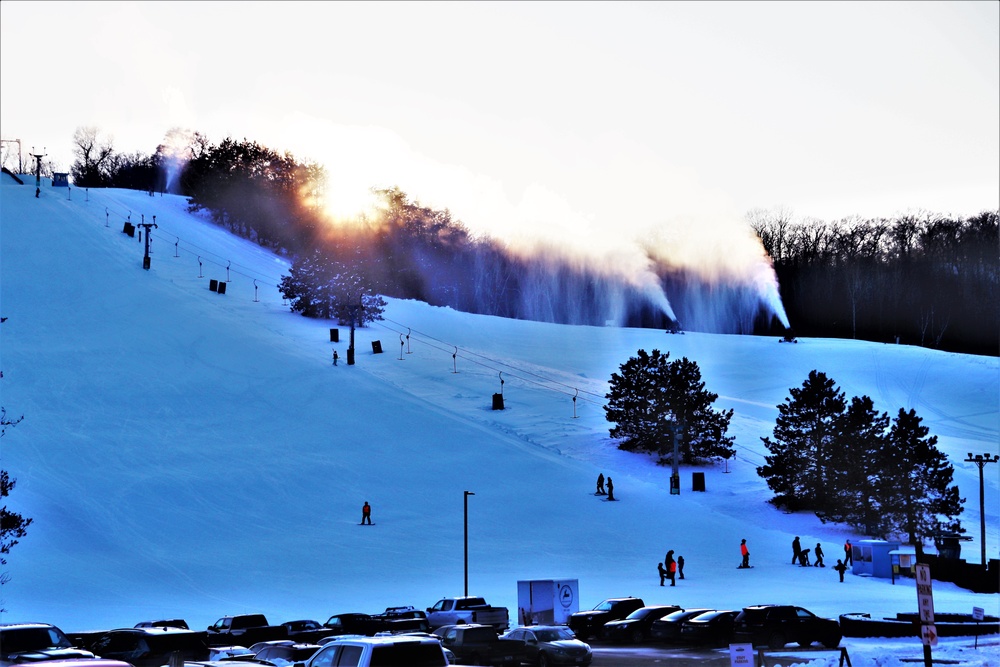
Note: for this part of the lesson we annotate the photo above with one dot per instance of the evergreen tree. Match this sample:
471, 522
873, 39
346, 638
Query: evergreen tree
804, 437
915, 490
13, 526
653, 397
854, 465
318, 286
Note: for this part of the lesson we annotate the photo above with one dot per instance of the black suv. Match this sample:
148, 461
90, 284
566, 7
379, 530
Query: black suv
585, 624
33, 642
150, 647
774, 625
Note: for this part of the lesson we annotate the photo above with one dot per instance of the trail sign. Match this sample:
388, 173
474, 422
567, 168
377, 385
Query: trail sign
925, 596
928, 635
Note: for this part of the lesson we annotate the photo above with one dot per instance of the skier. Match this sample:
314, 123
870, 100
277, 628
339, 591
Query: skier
680, 566
366, 514
804, 558
745, 553
671, 566
796, 550
840, 568
848, 555
600, 484
611, 489
819, 556
662, 571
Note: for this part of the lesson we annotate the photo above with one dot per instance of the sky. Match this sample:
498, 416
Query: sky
190, 454
591, 123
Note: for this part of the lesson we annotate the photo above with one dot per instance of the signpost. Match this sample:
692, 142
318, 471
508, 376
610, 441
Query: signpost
978, 613
925, 604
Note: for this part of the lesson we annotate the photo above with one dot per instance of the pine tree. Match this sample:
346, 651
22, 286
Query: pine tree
854, 467
318, 286
804, 437
915, 491
653, 396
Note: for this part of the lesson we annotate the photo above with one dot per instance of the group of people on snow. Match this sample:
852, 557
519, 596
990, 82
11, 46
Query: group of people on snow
671, 568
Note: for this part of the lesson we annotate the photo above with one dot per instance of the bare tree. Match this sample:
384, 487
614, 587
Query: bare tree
93, 155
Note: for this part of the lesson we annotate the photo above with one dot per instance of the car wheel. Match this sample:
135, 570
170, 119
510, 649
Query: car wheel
543, 660
832, 641
777, 640
637, 636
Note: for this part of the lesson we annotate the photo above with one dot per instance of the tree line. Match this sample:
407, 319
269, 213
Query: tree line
918, 279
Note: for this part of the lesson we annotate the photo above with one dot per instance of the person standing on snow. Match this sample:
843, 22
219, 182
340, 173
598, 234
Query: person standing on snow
745, 552
840, 568
611, 489
671, 566
848, 555
662, 571
819, 556
600, 484
366, 514
680, 566
796, 550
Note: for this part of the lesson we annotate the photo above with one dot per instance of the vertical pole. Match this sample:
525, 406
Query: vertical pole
465, 499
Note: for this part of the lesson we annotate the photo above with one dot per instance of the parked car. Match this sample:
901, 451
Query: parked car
33, 642
287, 654
547, 645
306, 631
166, 623
586, 624
636, 627
150, 647
228, 653
774, 625
394, 651
479, 644
713, 628
259, 646
668, 628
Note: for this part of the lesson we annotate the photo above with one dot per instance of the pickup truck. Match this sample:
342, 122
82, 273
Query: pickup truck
454, 611
393, 620
477, 644
244, 630
586, 624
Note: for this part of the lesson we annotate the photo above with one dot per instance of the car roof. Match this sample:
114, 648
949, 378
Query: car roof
395, 639
86, 662
157, 630
6, 626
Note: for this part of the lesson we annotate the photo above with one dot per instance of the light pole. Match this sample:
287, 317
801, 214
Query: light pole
465, 499
981, 461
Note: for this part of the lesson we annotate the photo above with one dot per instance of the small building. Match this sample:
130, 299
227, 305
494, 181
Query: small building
60, 179
872, 558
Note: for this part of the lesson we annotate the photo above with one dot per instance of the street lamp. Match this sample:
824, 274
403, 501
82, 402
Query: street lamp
981, 461
465, 499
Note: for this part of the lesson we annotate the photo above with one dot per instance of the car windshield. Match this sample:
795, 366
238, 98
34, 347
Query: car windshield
641, 613
553, 635
18, 640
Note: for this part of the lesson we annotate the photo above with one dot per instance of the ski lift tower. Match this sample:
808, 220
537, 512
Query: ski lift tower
38, 170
